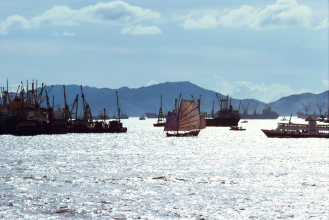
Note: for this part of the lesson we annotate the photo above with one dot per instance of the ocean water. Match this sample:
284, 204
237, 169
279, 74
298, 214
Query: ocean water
220, 174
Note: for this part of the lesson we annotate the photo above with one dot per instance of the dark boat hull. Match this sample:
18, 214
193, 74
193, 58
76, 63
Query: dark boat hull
187, 134
159, 125
237, 129
271, 134
222, 122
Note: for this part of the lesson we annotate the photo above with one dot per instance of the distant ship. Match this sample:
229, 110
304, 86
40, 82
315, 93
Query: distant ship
151, 115
310, 116
225, 117
124, 115
267, 113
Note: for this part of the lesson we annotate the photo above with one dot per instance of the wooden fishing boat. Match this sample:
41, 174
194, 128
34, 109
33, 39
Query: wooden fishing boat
185, 122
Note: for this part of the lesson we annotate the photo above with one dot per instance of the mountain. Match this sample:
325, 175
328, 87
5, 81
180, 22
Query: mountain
294, 103
136, 102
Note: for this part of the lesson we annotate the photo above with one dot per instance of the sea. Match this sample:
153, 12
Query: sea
142, 174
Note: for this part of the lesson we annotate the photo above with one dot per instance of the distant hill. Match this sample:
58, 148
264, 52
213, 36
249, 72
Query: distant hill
136, 102
293, 103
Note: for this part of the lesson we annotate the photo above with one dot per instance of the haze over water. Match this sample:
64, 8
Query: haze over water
220, 174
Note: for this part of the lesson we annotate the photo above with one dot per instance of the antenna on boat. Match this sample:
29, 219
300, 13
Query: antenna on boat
290, 119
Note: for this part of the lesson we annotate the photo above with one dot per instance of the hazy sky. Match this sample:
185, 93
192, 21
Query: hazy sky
258, 49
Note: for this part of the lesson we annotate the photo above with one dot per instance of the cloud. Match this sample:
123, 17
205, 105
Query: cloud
323, 24
141, 30
65, 34
68, 34
325, 82
151, 83
282, 14
261, 92
110, 13
14, 22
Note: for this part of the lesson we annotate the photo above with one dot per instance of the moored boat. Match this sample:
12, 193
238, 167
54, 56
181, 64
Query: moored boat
237, 128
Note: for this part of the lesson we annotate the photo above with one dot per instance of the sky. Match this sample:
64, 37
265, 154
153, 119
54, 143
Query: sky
260, 49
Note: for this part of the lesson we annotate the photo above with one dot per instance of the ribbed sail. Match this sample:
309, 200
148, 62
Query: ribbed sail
202, 122
171, 122
188, 116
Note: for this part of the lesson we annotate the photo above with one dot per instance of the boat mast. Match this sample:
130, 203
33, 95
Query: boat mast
116, 92
213, 109
160, 116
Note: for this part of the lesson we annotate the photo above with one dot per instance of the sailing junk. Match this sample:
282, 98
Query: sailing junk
188, 120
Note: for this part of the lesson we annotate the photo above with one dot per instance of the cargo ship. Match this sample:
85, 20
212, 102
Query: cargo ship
267, 113
151, 115
225, 117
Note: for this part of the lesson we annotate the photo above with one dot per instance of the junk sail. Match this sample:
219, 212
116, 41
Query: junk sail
188, 118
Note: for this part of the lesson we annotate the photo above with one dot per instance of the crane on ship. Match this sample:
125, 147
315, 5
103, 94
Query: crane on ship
255, 109
320, 107
86, 109
244, 110
66, 111
306, 107
75, 105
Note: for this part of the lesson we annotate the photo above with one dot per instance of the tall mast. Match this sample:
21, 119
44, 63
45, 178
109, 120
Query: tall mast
213, 109
116, 92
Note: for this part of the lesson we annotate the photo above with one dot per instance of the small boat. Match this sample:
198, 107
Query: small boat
283, 119
115, 126
236, 128
244, 121
185, 122
142, 117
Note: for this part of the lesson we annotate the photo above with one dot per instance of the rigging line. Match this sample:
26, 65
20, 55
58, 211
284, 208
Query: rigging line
185, 119
188, 112
190, 122
188, 116
186, 107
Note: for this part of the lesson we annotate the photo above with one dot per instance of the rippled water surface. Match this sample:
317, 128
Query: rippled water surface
220, 174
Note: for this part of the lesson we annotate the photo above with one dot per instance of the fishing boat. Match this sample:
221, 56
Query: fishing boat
142, 117
185, 122
115, 126
292, 130
161, 119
